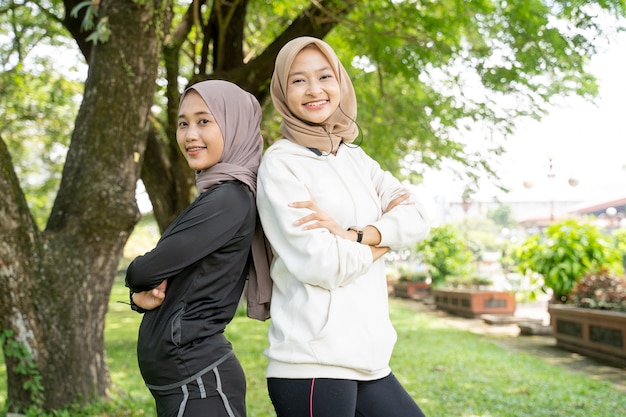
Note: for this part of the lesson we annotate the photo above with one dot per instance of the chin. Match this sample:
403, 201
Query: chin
197, 167
318, 119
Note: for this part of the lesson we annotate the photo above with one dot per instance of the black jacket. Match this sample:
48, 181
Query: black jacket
204, 256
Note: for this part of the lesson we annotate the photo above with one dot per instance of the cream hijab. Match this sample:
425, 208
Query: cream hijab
340, 127
238, 114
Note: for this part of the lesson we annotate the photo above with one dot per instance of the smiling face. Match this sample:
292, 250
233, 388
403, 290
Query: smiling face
313, 91
198, 135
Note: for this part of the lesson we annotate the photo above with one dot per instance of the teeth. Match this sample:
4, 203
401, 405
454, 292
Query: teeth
316, 103
193, 149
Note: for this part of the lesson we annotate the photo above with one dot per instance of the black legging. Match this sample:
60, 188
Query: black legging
341, 398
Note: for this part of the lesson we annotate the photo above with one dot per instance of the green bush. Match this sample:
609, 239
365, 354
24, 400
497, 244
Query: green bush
409, 275
564, 252
468, 281
445, 253
619, 242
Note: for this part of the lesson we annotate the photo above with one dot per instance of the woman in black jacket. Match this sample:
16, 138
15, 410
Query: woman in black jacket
189, 285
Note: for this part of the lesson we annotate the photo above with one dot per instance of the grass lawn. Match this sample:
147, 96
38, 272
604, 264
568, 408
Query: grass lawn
450, 372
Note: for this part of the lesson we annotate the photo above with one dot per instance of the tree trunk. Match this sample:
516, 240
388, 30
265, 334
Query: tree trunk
55, 284
19, 256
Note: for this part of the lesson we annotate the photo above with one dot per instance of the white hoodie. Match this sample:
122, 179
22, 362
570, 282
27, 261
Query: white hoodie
329, 306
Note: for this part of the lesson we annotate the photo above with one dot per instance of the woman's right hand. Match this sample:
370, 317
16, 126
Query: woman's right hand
318, 219
151, 299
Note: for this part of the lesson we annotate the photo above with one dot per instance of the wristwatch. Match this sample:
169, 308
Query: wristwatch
359, 233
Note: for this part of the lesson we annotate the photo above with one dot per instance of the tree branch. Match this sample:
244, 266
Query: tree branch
14, 210
316, 20
73, 25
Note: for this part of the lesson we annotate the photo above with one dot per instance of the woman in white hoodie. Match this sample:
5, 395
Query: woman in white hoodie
330, 213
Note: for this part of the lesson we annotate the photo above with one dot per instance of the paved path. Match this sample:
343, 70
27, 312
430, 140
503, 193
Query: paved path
508, 335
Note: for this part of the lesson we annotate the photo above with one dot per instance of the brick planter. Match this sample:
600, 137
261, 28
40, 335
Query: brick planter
410, 289
474, 303
598, 334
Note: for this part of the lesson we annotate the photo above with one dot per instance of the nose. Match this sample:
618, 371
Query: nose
314, 88
191, 132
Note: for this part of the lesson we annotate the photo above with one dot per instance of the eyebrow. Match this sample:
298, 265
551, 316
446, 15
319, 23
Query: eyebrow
327, 68
198, 113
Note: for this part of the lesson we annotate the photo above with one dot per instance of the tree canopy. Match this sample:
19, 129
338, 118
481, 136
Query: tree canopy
425, 73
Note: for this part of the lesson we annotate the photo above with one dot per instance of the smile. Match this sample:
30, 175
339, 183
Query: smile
316, 103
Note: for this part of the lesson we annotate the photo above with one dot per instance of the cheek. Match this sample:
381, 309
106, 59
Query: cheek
289, 99
293, 96
216, 144
336, 92
293, 106
218, 148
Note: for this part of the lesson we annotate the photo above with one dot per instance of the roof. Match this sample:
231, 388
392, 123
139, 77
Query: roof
600, 206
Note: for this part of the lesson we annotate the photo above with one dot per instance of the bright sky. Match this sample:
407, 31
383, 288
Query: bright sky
586, 141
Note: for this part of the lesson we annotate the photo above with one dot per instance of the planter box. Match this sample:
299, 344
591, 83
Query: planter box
474, 303
413, 290
598, 334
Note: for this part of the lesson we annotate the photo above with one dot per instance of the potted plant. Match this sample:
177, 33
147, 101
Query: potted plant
473, 296
449, 261
602, 290
593, 322
563, 253
412, 284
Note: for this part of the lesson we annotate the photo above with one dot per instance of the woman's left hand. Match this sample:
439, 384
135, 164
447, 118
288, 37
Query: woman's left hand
401, 199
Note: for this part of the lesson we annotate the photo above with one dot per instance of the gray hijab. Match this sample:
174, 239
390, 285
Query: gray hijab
238, 114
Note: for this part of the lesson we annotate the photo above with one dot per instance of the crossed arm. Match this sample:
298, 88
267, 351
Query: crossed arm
320, 219
151, 299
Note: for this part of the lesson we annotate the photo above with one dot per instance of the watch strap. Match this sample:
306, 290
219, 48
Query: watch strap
359, 233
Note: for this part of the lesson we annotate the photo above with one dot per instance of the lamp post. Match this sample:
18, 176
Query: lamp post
573, 182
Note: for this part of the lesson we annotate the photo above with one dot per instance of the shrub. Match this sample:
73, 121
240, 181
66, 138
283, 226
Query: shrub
445, 253
468, 281
619, 242
407, 275
602, 290
565, 252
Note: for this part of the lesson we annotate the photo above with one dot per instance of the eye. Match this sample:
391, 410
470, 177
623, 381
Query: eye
297, 80
326, 77
182, 124
204, 121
